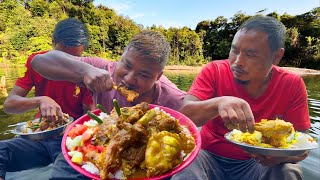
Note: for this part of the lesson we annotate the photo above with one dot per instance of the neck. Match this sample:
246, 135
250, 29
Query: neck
148, 97
257, 89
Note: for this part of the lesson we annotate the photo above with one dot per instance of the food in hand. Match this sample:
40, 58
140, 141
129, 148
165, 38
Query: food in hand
124, 91
141, 142
274, 134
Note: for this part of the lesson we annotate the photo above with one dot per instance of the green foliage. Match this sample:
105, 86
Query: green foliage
38, 7
26, 27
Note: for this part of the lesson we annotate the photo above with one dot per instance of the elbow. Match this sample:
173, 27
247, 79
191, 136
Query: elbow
6, 107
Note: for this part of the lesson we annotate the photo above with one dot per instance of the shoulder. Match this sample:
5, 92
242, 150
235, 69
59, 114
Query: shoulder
288, 81
169, 86
286, 76
220, 65
99, 62
169, 95
33, 55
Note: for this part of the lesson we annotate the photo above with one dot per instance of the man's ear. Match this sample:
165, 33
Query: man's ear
278, 56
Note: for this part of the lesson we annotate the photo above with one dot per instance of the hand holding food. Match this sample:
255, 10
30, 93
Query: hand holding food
49, 109
98, 80
236, 112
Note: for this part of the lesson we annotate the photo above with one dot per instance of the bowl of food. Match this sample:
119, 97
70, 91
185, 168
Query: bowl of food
141, 142
273, 138
41, 129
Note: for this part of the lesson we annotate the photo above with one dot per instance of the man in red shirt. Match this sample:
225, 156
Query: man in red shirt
243, 90
51, 97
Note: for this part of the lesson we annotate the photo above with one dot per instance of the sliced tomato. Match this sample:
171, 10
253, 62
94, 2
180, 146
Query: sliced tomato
72, 133
80, 129
86, 136
77, 130
89, 148
100, 148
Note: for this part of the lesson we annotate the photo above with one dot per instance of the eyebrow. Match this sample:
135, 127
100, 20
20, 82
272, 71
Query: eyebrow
143, 71
251, 51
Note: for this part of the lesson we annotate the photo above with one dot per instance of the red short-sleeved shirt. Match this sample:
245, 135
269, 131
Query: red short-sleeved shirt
285, 98
68, 95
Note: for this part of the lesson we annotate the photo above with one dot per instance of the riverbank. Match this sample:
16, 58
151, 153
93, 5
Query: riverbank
196, 69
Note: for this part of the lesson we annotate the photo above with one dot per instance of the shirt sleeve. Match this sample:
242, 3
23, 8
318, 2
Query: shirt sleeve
297, 111
203, 85
27, 81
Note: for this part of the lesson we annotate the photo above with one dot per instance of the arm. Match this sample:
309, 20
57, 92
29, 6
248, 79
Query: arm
231, 109
57, 65
17, 103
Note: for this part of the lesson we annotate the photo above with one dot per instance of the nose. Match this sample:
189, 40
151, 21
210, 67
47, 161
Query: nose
239, 59
130, 79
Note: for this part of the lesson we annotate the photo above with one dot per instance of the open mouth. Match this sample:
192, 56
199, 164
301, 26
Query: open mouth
238, 70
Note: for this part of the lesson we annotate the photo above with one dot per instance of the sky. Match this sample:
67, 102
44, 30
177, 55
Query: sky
180, 13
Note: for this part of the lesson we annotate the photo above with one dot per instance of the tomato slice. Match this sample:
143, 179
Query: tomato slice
77, 130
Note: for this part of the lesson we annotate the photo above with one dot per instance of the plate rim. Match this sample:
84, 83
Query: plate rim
241, 144
14, 130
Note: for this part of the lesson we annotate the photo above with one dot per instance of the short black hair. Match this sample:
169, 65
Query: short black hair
151, 44
275, 30
71, 32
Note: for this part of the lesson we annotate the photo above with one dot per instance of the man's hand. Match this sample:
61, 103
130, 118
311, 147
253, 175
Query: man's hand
98, 80
49, 109
237, 112
275, 160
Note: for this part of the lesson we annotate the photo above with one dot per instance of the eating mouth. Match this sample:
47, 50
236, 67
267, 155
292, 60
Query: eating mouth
238, 70
129, 87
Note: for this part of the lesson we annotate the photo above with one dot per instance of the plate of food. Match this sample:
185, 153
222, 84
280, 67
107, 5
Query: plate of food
273, 138
141, 142
41, 128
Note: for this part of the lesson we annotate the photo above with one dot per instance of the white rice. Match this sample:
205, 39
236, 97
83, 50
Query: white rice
304, 141
90, 168
117, 175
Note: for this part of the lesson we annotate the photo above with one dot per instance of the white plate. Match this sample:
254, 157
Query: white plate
40, 134
269, 151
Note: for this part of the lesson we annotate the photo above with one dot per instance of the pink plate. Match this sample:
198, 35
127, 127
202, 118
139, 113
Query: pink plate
183, 121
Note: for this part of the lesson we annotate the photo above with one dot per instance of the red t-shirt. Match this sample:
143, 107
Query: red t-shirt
284, 98
68, 95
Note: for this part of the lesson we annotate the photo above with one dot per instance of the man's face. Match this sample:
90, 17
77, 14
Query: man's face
250, 56
137, 73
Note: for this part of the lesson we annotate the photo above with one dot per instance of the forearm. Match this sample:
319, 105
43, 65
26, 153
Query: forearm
201, 111
18, 105
57, 65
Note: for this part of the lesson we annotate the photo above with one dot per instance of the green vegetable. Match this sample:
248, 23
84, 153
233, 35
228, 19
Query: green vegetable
94, 117
40, 119
99, 106
147, 117
117, 107
34, 126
